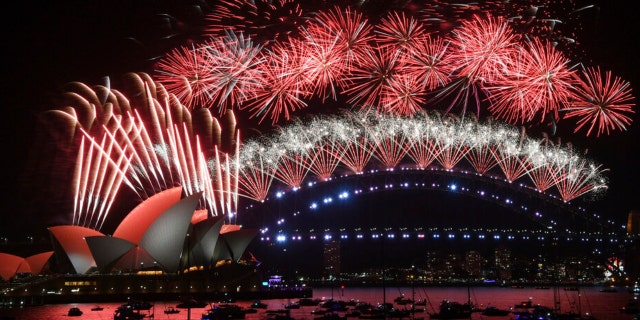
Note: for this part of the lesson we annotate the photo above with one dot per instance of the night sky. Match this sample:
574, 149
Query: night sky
47, 45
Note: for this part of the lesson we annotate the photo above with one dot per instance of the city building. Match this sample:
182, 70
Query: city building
331, 258
633, 223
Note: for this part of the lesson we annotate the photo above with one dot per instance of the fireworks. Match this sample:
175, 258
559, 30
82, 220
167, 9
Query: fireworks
414, 142
392, 66
218, 74
602, 101
147, 144
268, 20
496, 65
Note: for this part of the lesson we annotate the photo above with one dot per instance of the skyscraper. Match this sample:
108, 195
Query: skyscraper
633, 222
331, 258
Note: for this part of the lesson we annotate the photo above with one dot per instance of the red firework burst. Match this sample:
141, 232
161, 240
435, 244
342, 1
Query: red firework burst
404, 95
400, 32
353, 32
427, 63
480, 49
372, 76
186, 73
323, 63
547, 80
264, 20
602, 102
507, 93
235, 72
284, 85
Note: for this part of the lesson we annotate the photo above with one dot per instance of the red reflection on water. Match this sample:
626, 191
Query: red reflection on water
601, 305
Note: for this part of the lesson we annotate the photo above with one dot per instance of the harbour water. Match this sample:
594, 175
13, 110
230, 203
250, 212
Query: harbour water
602, 305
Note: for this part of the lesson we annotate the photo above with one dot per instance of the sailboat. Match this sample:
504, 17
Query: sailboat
455, 310
572, 314
452, 310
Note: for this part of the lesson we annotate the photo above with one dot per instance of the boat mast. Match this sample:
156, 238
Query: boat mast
384, 288
413, 292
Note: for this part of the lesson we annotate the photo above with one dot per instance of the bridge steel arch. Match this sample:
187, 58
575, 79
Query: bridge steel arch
317, 212
539, 180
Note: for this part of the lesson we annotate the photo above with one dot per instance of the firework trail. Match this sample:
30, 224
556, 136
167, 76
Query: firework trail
148, 144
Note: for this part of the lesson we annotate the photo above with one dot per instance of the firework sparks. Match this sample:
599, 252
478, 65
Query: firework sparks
480, 50
372, 76
219, 74
284, 86
400, 32
186, 73
150, 148
604, 102
266, 20
362, 137
466, 55
500, 57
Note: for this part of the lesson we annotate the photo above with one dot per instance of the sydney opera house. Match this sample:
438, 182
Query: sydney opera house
163, 238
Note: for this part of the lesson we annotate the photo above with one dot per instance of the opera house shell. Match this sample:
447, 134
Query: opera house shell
10, 265
163, 233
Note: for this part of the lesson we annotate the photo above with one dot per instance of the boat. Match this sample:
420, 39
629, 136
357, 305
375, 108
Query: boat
257, 304
420, 302
292, 305
523, 310
491, 311
191, 303
97, 308
334, 305
171, 310
139, 304
127, 312
452, 310
632, 307
524, 305
278, 311
401, 300
279, 314
456, 310
308, 302
366, 310
224, 311
576, 311
74, 312
536, 313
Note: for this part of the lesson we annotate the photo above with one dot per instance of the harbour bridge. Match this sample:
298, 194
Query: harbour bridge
439, 207
417, 182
